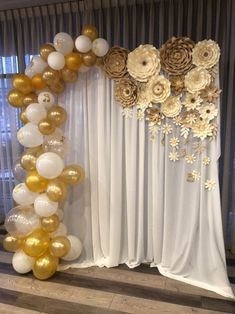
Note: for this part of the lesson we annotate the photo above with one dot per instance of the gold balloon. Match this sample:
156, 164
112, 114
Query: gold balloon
72, 174
11, 244
30, 98
73, 61
57, 114
59, 246
56, 191
35, 182
46, 126
15, 98
36, 243
45, 50
69, 75
50, 76
89, 59
45, 266
50, 224
29, 157
22, 83
38, 82
57, 87
90, 31
23, 117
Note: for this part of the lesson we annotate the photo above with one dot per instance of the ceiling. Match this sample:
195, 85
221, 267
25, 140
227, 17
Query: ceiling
15, 4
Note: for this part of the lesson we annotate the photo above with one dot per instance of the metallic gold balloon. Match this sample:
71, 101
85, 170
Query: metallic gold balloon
46, 126
59, 246
30, 98
35, 182
90, 31
57, 114
45, 50
72, 174
23, 117
45, 266
38, 82
89, 59
50, 224
29, 157
50, 76
15, 98
56, 191
73, 61
57, 87
69, 75
36, 243
22, 83
11, 244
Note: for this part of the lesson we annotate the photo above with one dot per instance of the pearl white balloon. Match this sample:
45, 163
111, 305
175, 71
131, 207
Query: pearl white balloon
44, 207
49, 165
60, 214
36, 65
83, 43
56, 60
29, 135
100, 47
63, 43
46, 99
35, 112
22, 263
22, 195
75, 250
60, 231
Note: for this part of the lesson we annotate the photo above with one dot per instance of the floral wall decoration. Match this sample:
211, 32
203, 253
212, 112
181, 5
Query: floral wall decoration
172, 86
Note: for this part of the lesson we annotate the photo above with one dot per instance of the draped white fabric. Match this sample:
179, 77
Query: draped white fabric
136, 205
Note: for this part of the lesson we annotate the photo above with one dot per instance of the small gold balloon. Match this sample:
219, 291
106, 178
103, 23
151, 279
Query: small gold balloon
29, 157
23, 117
22, 83
59, 246
45, 50
50, 224
45, 266
35, 182
30, 98
72, 174
56, 191
57, 87
15, 98
57, 114
38, 82
50, 76
89, 59
73, 61
90, 31
46, 126
11, 244
36, 243
69, 75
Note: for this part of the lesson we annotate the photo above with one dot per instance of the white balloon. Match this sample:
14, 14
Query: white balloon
60, 214
84, 69
22, 195
56, 60
22, 263
75, 250
60, 231
49, 165
63, 43
46, 99
29, 71
83, 43
44, 207
36, 65
35, 112
100, 47
29, 135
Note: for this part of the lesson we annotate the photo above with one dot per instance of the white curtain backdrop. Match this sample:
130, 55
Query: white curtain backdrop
136, 205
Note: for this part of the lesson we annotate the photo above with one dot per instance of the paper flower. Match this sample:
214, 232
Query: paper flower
143, 97
202, 129
114, 62
174, 142
210, 94
167, 128
196, 175
154, 115
206, 54
174, 156
206, 161
171, 107
177, 120
210, 185
176, 55
177, 83
197, 79
190, 159
208, 112
143, 62
190, 117
125, 92
159, 88
192, 101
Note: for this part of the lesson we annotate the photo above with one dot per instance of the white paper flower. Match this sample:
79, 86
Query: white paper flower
143, 97
196, 175
208, 112
177, 120
167, 128
190, 159
174, 142
127, 113
206, 54
206, 161
210, 185
197, 79
159, 88
192, 101
174, 156
171, 107
202, 129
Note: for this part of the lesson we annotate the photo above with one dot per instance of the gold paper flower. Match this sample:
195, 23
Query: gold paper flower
125, 92
210, 94
208, 112
159, 89
196, 175
197, 79
190, 159
202, 129
154, 115
143, 62
114, 62
143, 97
174, 142
210, 185
174, 156
213, 72
190, 117
171, 107
206, 161
176, 55
177, 83
192, 101
206, 54
166, 128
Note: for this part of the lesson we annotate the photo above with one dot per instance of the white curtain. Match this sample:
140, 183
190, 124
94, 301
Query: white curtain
136, 205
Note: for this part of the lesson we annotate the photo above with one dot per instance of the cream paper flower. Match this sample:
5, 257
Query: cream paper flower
208, 112
190, 159
154, 116
206, 54
206, 161
210, 94
174, 156
197, 79
143, 97
196, 175
192, 101
159, 88
190, 117
171, 107
167, 128
143, 62
210, 185
174, 142
202, 129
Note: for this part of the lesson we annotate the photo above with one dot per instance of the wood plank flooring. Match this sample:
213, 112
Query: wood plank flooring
94, 290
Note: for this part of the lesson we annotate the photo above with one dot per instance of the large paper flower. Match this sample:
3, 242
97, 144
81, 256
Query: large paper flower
202, 129
206, 54
159, 89
154, 115
177, 83
197, 79
143, 62
171, 107
176, 55
125, 92
192, 101
114, 62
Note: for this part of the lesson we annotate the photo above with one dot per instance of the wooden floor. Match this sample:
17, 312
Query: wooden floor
105, 291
